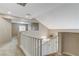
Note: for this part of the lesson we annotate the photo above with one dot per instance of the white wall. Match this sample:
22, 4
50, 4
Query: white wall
5, 31
43, 31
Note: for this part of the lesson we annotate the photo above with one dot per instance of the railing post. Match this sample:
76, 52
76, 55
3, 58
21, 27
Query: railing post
40, 47
32, 46
35, 46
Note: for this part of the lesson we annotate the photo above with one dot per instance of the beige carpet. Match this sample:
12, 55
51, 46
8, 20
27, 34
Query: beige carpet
19, 52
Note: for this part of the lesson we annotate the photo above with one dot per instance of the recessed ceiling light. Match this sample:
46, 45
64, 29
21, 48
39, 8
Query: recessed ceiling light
22, 4
29, 16
9, 12
22, 22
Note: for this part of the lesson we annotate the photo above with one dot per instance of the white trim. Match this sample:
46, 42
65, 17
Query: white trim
24, 50
69, 53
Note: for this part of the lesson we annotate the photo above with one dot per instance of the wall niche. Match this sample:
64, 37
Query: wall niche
35, 26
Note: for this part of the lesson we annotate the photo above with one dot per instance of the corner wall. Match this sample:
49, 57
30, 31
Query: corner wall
5, 31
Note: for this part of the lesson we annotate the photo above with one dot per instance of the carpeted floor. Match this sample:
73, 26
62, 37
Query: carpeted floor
19, 52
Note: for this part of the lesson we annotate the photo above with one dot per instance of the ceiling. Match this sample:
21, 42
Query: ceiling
52, 15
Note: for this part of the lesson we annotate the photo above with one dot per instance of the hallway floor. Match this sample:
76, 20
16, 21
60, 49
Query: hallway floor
11, 49
56, 54
19, 52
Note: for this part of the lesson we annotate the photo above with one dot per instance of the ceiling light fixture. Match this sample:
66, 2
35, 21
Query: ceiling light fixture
22, 22
28, 16
22, 4
9, 12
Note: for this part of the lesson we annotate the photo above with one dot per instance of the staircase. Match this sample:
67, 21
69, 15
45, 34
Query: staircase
33, 46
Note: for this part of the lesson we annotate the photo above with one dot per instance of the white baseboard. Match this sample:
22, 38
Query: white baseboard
69, 54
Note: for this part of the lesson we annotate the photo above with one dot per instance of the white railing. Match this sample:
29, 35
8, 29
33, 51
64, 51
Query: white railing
50, 46
32, 46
